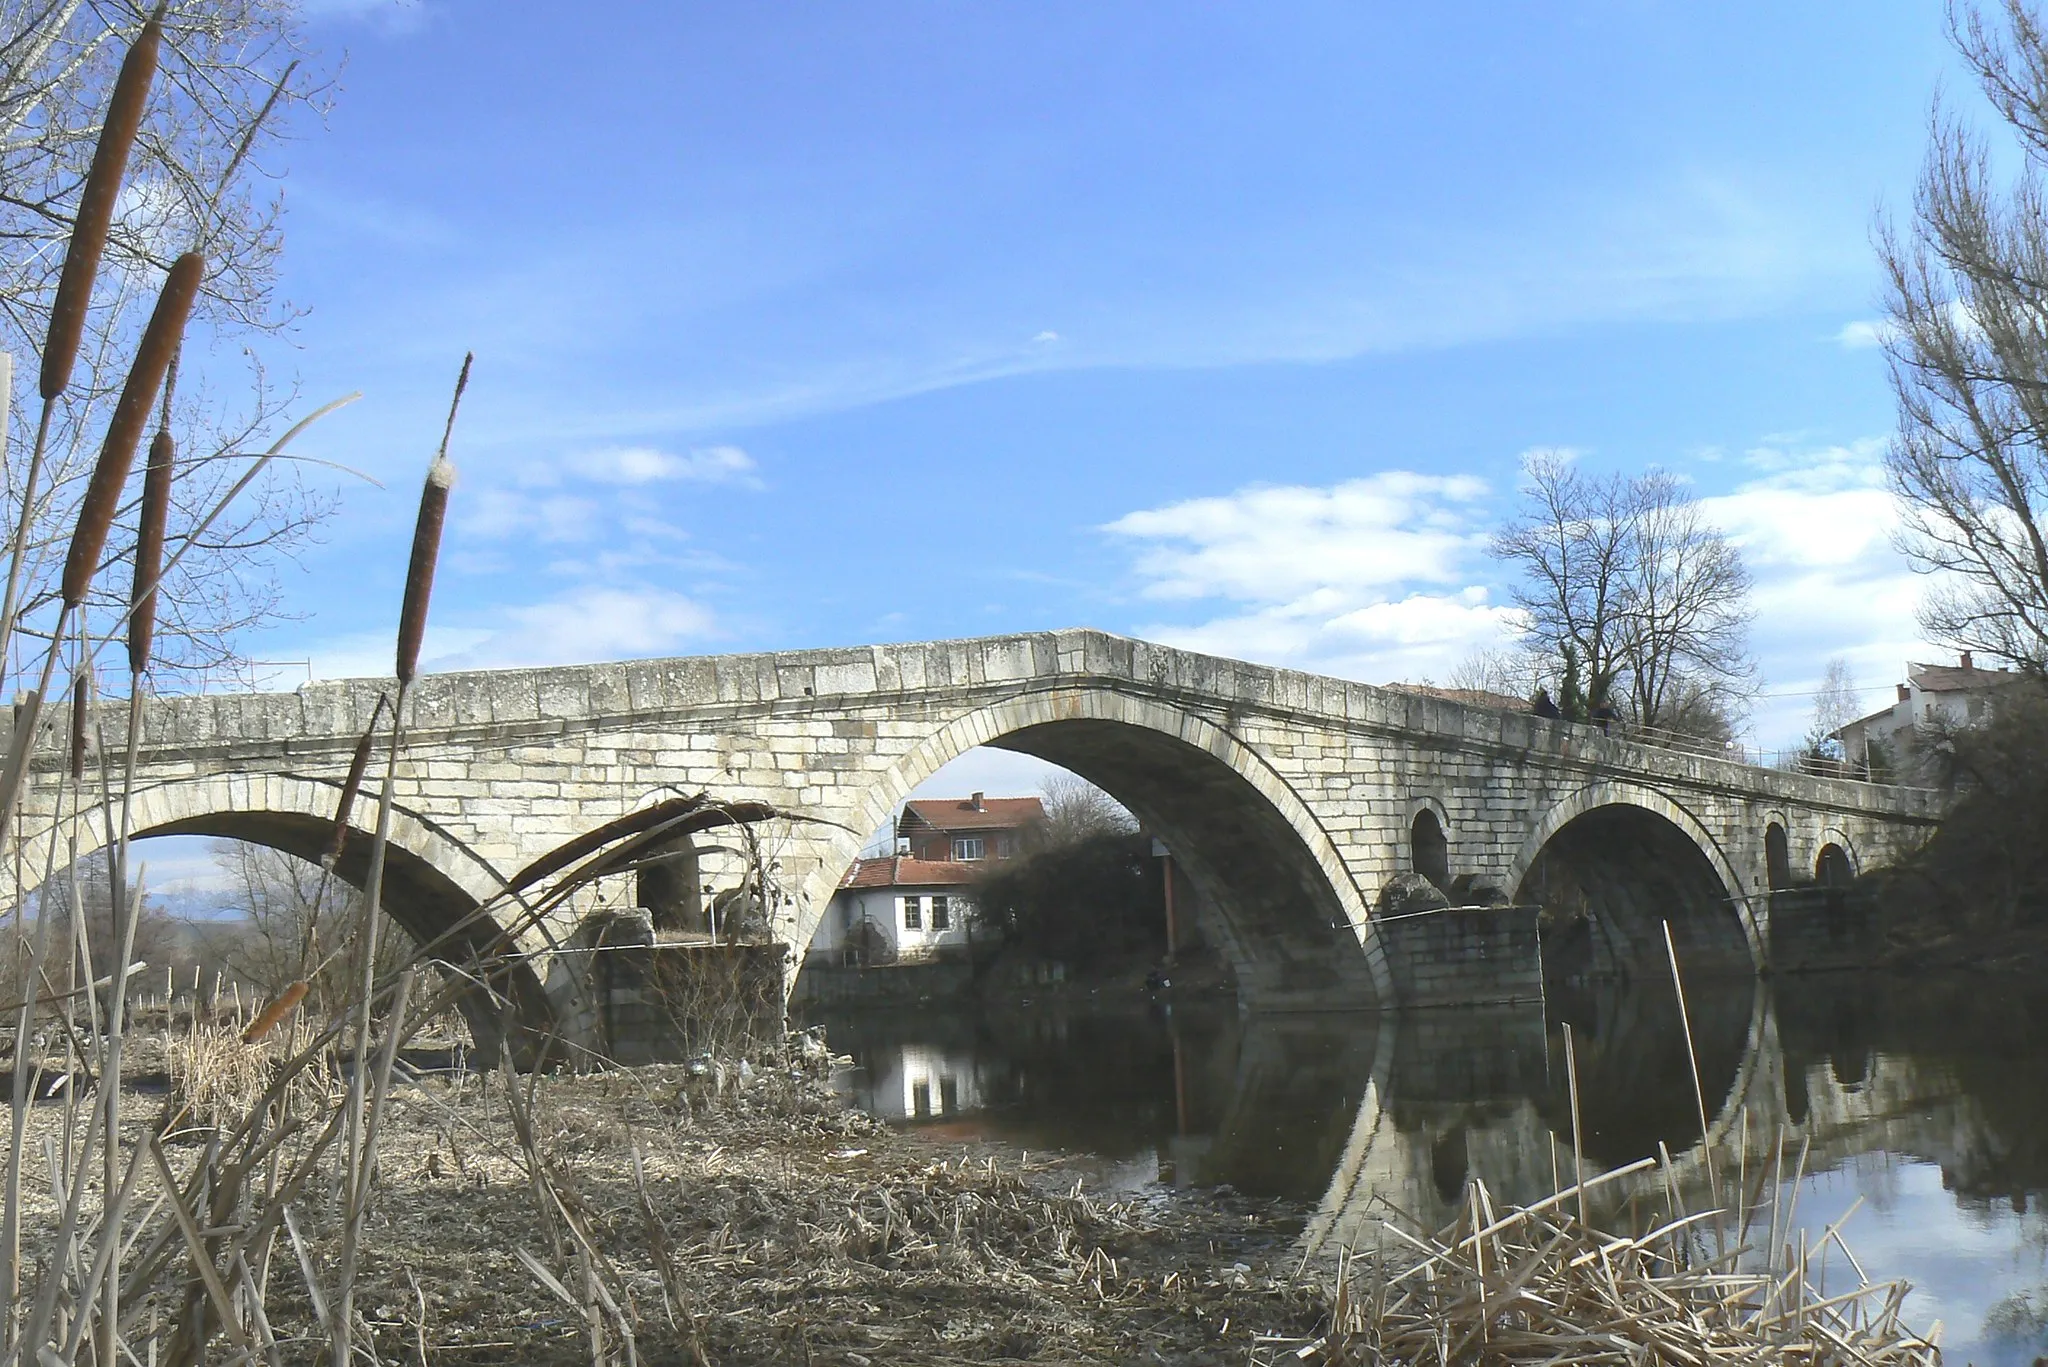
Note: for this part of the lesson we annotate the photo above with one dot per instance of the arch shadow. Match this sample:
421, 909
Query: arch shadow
434, 886
1274, 892
1610, 865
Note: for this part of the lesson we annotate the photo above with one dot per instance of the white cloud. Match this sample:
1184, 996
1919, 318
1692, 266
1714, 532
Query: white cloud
589, 624
1046, 336
553, 517
1816, 527
1278, 544
1864, 334
650, 465
1377, 578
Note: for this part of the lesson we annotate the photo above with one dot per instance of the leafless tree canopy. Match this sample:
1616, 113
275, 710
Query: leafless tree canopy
230, 83
300, 924
1511, 673
1837, 703
1968, 346
1651, 598
1077, 810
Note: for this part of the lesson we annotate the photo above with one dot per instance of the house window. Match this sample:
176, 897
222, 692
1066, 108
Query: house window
1005, 846
967, 847
942, 914
913, 916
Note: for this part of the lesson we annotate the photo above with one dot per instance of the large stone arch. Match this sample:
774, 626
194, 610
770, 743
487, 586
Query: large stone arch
1282, 902
1629, 925
433, 883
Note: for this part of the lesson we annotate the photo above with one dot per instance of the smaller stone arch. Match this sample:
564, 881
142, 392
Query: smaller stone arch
1834, 866
1839, 838
1621, 795
1429, 847
1777, 856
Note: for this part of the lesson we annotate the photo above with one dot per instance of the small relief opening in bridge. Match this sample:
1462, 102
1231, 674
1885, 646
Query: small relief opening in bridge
1832, 869
1777, 859
1429, 851
1005, 873
1611, 880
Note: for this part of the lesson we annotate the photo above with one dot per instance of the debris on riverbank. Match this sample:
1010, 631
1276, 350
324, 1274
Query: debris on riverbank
742, 1216
1540, 1285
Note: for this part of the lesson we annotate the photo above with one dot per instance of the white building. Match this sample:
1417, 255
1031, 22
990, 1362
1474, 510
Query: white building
1947, 695
896, 910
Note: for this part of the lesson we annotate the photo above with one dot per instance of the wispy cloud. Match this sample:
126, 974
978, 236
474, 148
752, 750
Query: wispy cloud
650, 465
1374, 578
585, 624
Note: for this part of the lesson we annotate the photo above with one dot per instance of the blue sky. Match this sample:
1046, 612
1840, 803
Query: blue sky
1225, 325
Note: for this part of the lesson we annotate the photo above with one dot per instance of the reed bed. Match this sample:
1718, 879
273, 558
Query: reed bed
1539, 1285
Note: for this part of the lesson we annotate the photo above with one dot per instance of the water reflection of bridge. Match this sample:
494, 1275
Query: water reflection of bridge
1359, 1112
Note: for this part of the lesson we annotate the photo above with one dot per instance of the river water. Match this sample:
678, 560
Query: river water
1925, 1098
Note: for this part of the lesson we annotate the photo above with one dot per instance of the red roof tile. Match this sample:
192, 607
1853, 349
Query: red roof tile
901, 871
1956, 679
959, 814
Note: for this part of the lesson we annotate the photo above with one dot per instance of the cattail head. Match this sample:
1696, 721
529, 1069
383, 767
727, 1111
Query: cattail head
96, 208
350, 786
426, 544
160, 341
149, 548
275, 1012
80, 691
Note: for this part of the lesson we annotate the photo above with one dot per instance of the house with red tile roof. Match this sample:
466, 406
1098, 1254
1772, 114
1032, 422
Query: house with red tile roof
896, 909
916, 904
967, 830
1954, 695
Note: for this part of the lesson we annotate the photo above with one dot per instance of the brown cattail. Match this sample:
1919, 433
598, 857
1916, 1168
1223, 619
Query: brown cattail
275, 1012
96, 208
149, 547
350, 786
426, 543
80, 689
160, 342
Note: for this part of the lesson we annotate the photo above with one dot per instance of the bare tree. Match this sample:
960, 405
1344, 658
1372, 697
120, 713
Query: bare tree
1836, 703
1077, 810
1686, 611
230, 81
1968, 348
1510, 673
1624, 579
1571, 544
300, 922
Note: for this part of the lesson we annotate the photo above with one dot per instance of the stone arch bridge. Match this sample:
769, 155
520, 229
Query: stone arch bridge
1291, 800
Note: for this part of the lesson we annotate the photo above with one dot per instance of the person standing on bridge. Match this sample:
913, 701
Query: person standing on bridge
1542, 706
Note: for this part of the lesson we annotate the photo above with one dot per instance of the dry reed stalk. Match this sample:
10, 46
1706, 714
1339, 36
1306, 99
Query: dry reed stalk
412, 627
1537, 1287
161, 338
1692, 1058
